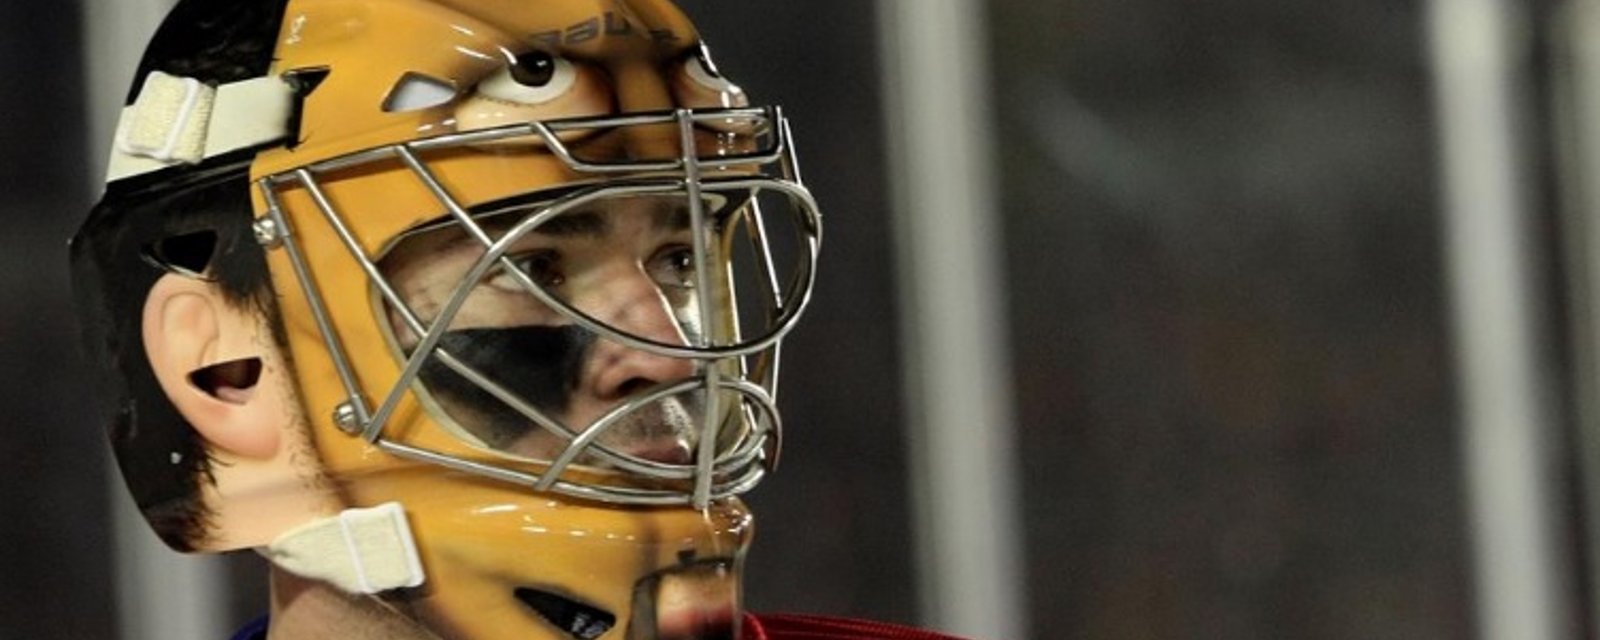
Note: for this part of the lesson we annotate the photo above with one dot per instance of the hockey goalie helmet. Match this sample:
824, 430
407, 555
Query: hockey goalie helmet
533, 262
550, 232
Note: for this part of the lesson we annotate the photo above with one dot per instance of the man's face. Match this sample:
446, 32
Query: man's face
627, 263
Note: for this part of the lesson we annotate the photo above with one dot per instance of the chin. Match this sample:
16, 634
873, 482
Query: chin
507, 563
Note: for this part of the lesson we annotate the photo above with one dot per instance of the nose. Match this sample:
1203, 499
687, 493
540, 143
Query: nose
634, 305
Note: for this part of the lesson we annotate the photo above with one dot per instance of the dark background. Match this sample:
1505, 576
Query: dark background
1233, 372
53, 505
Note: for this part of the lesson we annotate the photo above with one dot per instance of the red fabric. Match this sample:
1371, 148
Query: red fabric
799, 627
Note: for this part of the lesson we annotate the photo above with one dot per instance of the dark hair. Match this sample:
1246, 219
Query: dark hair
184, 219
161, 457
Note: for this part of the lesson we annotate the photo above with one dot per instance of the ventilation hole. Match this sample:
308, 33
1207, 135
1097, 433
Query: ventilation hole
575, 618
188, 254
305, 81
416, 91
231, 381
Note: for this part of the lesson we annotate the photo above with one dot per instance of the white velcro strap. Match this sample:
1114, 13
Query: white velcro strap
182, 121
361, 551
168, 121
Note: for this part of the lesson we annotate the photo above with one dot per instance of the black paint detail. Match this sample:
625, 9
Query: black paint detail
539, 364
213, 42
583, 31
575, 618
609, 24
546, 39
617, 25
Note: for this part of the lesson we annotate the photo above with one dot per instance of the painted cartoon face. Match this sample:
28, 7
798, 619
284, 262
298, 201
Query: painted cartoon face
535, 260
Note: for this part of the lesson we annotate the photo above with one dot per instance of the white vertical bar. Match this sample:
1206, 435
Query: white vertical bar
961, 451
160, 594
1478, 48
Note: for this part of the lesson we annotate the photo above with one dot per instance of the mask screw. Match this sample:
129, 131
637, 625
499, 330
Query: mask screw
345, 416
267, 233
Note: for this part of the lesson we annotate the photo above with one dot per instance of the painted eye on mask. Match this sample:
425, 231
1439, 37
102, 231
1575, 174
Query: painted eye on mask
535, 86
699, 85
534, 79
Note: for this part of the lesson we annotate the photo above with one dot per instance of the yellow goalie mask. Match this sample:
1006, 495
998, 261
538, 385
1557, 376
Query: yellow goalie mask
526, 267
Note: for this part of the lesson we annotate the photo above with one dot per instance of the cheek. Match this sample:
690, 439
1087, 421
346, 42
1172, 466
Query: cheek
491, 307
422, 302
427, 289
422, 292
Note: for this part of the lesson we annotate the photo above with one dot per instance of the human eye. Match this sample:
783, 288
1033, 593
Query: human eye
542, 266
672, 267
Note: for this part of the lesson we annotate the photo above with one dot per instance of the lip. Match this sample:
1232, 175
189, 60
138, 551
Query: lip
698, 600
698, 625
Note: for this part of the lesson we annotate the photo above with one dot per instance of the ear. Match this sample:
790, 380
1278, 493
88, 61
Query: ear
219, 365
209, 358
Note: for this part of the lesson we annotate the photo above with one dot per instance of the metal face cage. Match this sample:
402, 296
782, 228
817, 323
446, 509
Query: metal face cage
749, 172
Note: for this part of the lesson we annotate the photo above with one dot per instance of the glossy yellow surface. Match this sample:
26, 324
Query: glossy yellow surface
482, 540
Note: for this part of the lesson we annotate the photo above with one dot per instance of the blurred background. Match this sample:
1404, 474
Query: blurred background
1137, 319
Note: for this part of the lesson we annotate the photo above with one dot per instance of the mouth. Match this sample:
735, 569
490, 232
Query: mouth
705, 625
674, 618
576, 619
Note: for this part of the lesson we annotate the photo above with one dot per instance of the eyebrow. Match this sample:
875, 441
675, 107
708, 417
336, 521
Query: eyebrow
582, 223
595, 224
676, 218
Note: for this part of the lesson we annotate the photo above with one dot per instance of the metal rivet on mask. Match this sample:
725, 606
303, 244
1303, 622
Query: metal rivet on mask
267, 233
344, 415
